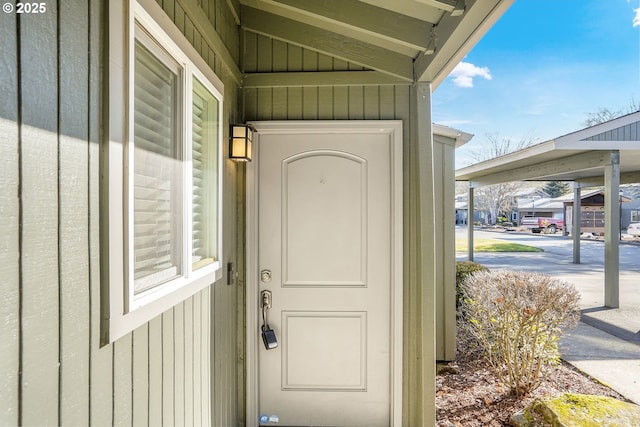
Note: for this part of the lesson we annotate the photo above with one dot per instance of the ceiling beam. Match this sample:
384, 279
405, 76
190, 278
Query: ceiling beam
425, 10
354, 19
540, 171
442, 4
327, 42
598, 181
320, 79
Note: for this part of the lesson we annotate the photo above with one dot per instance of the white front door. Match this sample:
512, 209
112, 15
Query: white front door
328, 238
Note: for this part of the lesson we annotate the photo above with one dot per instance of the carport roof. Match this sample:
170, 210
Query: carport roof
578, 156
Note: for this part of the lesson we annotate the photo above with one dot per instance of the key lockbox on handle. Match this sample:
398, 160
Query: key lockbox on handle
268, 334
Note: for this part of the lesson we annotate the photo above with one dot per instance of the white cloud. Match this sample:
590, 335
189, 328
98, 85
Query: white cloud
636, 19
464, 73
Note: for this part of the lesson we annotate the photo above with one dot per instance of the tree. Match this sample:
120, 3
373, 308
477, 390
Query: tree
604, 114
556, 188
497, 146
497, 200
500, 199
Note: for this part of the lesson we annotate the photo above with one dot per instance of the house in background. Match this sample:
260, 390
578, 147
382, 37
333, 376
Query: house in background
137, 244
630, 213
462, 211
592, 212
544, 207
461, 207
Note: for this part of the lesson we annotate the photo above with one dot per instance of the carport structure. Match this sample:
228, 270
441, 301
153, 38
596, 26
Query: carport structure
607, 154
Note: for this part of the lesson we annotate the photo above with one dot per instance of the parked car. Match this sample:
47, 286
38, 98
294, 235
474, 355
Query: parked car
539, 224
634, 229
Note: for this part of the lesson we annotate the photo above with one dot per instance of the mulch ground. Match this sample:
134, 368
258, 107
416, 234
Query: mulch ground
469, 394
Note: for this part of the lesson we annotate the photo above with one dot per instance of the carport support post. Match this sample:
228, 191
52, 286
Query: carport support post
470, 217
576, 219
612, 231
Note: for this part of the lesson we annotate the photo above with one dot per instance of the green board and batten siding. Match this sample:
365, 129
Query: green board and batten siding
184, 367
52, 368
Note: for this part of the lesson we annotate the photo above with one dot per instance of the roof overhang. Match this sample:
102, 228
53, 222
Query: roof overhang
396, 42
454, 137
579, 156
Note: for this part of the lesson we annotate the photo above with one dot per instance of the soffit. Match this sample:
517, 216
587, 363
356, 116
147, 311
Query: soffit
408, 40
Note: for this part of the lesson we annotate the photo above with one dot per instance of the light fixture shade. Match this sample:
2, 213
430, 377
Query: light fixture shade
240, 143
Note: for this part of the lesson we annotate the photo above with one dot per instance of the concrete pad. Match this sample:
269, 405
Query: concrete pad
611, 360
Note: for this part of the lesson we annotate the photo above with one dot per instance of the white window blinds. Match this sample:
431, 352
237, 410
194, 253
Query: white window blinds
157, 177
203, 152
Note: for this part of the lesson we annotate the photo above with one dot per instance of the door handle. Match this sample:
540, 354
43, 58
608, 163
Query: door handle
266, 303
268, 335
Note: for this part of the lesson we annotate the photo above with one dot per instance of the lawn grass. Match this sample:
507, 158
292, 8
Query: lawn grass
493, 245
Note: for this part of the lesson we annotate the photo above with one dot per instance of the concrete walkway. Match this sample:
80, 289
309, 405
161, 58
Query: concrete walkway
606, 343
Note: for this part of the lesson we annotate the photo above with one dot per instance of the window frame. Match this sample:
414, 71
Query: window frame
123, 310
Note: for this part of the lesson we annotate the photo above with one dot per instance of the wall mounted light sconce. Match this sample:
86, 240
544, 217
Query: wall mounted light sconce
240, 143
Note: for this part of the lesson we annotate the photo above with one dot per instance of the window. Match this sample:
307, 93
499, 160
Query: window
635, 216
162, 161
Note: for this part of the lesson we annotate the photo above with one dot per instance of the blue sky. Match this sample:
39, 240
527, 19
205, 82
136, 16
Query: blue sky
541, 68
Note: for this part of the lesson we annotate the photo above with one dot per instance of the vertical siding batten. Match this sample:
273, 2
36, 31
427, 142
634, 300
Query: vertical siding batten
279, 104
155, 364
101, 359
325, 102
240, 298
179, 372
168, 367
371, 102
188, 365
207, 351
140, 368
412, 396
294, 103
73, 182
341, 103
39, 236
123, 381
197, 359
423, 138
10, 224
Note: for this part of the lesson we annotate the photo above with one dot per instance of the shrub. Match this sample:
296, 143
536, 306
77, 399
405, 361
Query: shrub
463, 270
517, 318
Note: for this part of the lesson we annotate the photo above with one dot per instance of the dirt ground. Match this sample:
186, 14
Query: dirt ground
468, 393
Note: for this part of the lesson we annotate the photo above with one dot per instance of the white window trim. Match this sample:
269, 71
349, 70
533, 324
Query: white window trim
126, 312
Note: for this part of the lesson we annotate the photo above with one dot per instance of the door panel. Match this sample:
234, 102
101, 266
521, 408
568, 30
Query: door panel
324, 200
331, 370
325, 233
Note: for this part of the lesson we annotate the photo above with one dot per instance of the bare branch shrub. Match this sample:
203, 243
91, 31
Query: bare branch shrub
517, 318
